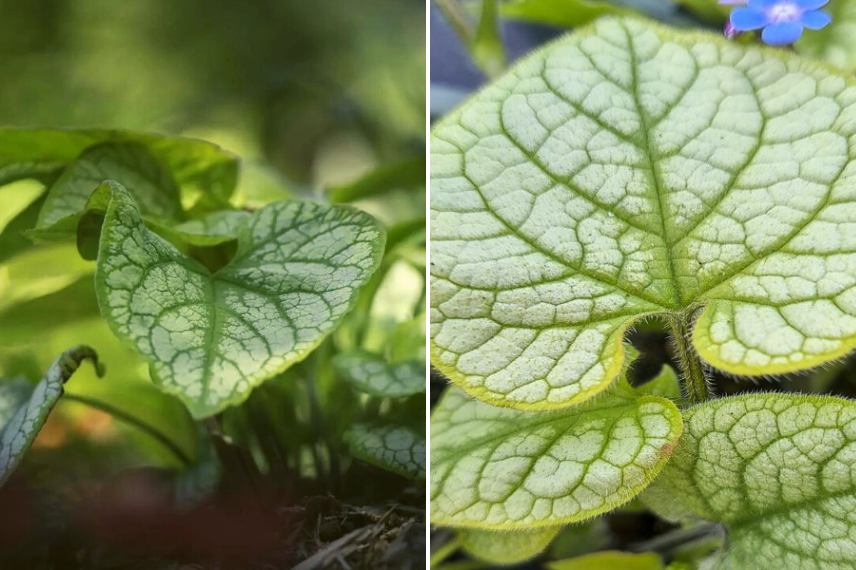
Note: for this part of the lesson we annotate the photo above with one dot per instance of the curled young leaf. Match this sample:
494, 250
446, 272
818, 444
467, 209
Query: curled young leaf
630, 170
210, 338
778, 470
498, 468
24, 407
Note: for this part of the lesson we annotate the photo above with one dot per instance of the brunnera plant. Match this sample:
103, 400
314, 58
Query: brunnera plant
216, 299
625, 173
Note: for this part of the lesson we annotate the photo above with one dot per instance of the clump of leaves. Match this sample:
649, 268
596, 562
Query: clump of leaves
623, 174
266, 326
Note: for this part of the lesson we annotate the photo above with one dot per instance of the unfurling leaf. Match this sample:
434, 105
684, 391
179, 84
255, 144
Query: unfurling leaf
498, 468
210, 338
24, 407
371, 374
627, 171
779, 470
395, 448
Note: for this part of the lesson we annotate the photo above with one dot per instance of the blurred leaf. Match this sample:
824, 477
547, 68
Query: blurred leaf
194, 164
505, 548
710, 10
406, 173
560, 13
13, 235
211, 229
665, 384
24, 407
610, 560
394, 448
129, 163
371, 374
486, 45
833, 44
38, 272
581, 539
407, 340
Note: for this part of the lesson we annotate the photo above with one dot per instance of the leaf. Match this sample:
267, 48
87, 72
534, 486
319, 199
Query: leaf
498, 468
210, 338
131, 164
630, 170
560, 13
777, 470
194, 164
665, 384
405, 173
395, 448
710, 10
833, 44
609, 560
24, 408
506, 548
371, 374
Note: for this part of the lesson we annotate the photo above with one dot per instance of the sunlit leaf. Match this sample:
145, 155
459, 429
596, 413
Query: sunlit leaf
777, 470
630, 170
212, 337
508, 469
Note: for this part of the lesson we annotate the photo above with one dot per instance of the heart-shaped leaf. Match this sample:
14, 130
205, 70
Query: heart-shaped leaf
372, 374
507, 548
395, 448
508, 469
24, 407
211, 338
630, 170
777, 470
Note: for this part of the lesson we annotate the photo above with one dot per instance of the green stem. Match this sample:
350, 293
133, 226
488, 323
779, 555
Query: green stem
141, 425
677, 538
695, 382
456, 18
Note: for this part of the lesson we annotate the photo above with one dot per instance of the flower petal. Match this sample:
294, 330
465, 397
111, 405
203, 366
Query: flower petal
811, 4
782, 34
816, 19
745, 19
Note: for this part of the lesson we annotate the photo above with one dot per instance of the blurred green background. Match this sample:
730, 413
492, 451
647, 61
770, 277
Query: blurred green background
311, 95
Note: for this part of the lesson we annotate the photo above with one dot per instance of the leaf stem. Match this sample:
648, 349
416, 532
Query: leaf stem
134, 421
695, 383
669, 541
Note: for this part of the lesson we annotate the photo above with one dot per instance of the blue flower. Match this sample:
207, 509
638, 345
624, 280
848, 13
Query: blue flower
782, 21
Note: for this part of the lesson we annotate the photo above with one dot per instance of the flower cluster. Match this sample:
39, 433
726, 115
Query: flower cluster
782, 21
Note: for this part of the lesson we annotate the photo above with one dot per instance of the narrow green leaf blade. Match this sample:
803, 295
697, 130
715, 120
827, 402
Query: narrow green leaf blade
24, 408
506, 548
211, 338
630, 170
777, 470
610, 560
499, 468
372, 374
561, 13
395, 448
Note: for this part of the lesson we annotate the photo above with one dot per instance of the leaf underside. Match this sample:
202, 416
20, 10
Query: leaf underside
211, 337
629, 170
507, 548
498, 468
24, 407
395, 448
779, 470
